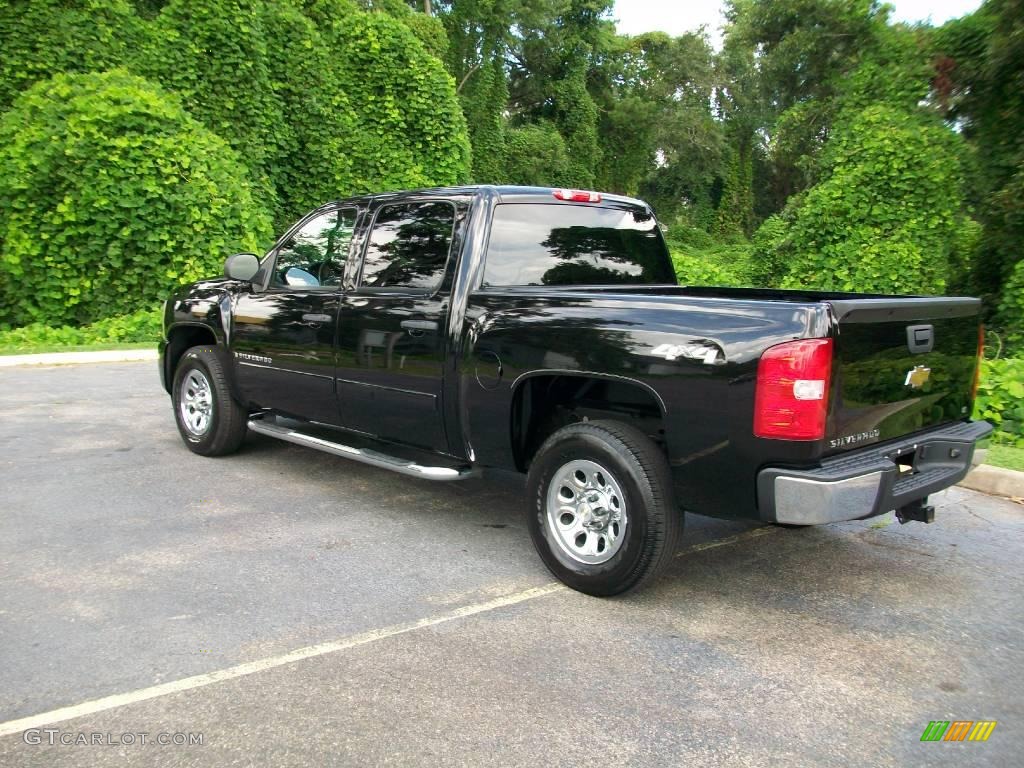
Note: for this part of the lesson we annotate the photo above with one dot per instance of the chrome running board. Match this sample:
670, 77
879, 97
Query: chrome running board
364, 455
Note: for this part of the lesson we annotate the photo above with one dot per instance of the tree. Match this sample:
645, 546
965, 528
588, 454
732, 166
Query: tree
982, 89
480, 37
735, 213
551, 67
653, 92
800, 53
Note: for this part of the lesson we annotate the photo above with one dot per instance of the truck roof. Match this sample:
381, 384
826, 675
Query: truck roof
505, 193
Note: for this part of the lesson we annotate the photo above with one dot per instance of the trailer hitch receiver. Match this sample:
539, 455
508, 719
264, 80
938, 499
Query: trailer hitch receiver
918, 510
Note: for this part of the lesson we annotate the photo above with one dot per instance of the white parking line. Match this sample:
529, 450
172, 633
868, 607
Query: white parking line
252, 667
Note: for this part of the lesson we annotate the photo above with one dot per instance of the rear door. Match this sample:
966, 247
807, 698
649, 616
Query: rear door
283, 335
901, 365
392, 332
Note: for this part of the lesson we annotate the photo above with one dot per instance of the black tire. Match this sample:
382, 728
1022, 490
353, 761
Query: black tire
653, 523
228, 421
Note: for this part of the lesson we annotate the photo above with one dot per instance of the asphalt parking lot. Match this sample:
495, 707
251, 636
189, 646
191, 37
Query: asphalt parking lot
294, 608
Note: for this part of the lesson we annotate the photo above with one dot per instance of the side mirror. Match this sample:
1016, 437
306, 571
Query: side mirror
242, 266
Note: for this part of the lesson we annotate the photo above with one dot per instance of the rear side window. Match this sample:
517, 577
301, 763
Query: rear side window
534, 244
409, 246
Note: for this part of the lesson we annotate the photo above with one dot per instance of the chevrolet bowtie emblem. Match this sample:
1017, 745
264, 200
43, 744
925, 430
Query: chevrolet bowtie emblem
918, 377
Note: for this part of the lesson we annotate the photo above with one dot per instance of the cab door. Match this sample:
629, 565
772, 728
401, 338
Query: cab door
392, 329
284, 331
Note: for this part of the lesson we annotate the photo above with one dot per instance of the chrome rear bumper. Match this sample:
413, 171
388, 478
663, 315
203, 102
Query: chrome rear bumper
870, 482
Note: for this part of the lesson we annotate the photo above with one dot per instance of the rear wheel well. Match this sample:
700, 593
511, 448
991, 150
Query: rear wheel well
183, 338
545, 403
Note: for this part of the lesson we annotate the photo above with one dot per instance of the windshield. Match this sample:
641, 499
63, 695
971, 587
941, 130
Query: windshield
536, 244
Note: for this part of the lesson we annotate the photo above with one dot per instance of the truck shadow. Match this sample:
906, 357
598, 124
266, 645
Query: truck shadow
810, 570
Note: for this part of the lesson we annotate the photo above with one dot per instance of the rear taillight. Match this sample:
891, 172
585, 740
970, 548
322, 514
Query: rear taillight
577, 195
791, 402
977, 362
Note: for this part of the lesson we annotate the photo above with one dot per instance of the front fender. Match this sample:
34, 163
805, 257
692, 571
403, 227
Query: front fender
197, 314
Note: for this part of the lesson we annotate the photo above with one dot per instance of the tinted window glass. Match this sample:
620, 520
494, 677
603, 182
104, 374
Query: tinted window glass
315, 254
534, 244
409, 246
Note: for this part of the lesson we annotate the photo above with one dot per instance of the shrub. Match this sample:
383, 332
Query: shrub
767, 247
1011, 310
1001, 399
723, 266
883, 221
42, 37
535, 155
110, 194
699, 259
963, 256
141, 326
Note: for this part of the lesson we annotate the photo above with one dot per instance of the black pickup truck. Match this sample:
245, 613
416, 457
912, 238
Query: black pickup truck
441, 331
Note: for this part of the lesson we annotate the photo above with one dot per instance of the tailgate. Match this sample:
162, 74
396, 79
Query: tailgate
900, 366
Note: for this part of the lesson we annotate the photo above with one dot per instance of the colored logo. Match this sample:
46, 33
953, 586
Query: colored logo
958, 730
917, 377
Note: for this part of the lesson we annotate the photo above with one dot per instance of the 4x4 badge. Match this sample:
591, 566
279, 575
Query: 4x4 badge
917, 377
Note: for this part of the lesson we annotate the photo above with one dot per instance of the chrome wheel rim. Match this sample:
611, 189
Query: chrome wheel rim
586, 512
195, 403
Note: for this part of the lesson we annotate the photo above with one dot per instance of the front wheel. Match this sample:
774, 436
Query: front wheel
210, 421
601, 511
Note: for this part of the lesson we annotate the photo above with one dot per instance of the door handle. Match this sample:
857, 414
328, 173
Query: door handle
419, 325
315, 318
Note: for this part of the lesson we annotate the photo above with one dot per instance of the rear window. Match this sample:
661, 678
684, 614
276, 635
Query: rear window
533, 244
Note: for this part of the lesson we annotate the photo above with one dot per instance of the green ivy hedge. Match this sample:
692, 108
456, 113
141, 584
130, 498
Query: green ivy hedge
412, 132
314, 144
536, 154
110, 195
41, 37
1011, 311
884, 219
116, 188
1001, 399
214, 55
701, 259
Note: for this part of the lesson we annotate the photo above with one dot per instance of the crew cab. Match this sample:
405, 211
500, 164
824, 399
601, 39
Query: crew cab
440, 332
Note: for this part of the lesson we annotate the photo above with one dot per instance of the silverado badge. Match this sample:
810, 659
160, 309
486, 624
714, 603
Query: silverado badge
918, 377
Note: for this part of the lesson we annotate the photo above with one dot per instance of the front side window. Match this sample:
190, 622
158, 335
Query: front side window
409, 246
534, 244
314, 256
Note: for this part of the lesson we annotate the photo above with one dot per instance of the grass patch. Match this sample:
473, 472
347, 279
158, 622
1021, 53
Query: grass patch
1006, 456
39, 349
135, 331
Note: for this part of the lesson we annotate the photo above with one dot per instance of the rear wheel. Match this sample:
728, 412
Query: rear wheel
209, 420
601, 512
